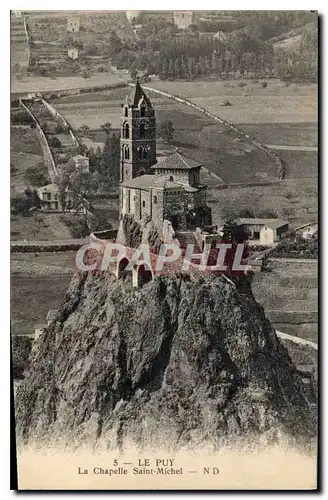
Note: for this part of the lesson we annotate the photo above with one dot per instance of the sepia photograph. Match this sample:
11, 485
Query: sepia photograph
164, 247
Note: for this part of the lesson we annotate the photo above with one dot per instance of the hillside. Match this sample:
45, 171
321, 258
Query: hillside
179, 362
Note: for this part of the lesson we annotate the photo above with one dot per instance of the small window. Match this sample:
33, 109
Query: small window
142, 130
155, 200
144, 204
142, 111
171, 178
126, 131
49, 196
126, 111
256, 235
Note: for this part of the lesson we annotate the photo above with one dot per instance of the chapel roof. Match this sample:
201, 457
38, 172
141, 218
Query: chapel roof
148, 181
176, 161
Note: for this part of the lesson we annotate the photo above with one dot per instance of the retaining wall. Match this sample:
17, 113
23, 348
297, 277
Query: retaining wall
48, 158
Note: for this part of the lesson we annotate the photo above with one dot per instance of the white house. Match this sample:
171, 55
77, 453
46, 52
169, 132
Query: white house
73, 24
73, 53
49, 196
263, 231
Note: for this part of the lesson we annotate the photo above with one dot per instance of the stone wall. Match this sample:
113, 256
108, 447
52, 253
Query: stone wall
47, 154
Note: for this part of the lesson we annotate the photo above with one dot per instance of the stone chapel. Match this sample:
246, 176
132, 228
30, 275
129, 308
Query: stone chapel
164, 189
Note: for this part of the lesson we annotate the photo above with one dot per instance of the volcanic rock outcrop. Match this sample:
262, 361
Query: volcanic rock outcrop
178, 362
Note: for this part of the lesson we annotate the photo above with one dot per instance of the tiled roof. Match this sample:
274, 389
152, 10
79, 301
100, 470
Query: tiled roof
272, 223
149, 181
177, 161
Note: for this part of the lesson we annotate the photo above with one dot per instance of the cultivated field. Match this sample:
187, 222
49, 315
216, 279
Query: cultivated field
52, 84
290, 287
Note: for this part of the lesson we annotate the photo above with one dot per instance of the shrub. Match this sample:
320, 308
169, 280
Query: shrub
226, 103
86, 74
54, 142
264, 84
37, 176
241, 84
60, 128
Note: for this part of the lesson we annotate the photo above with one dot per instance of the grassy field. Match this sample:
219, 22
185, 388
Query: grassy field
42, 226
289, 287
24, 140
276, 103
25, 152
289, 134
32, 297
21, 162
289, 199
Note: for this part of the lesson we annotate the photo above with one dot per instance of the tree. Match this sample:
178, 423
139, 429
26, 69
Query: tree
167, 130
54, 142
234, 233
82, 187
84, 129
107, 127
37, 176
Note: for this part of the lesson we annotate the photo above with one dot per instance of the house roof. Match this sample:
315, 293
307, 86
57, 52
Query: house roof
80, 157
137, 94
177, 161
49, 188
149, 181
271, 223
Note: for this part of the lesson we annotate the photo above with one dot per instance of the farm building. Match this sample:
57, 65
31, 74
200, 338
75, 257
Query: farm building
73, 53
310, 231
182, 19
73, 24
263, 231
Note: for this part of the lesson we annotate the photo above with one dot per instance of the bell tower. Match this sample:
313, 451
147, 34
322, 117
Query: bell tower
138, 135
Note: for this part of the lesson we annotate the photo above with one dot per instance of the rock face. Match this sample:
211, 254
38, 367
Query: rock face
178, 363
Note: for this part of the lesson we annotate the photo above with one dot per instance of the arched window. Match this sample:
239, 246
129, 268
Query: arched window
144, 203
126, 111
125, 152
126, 131
155, 200
171, 178
142, 111
142, 130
